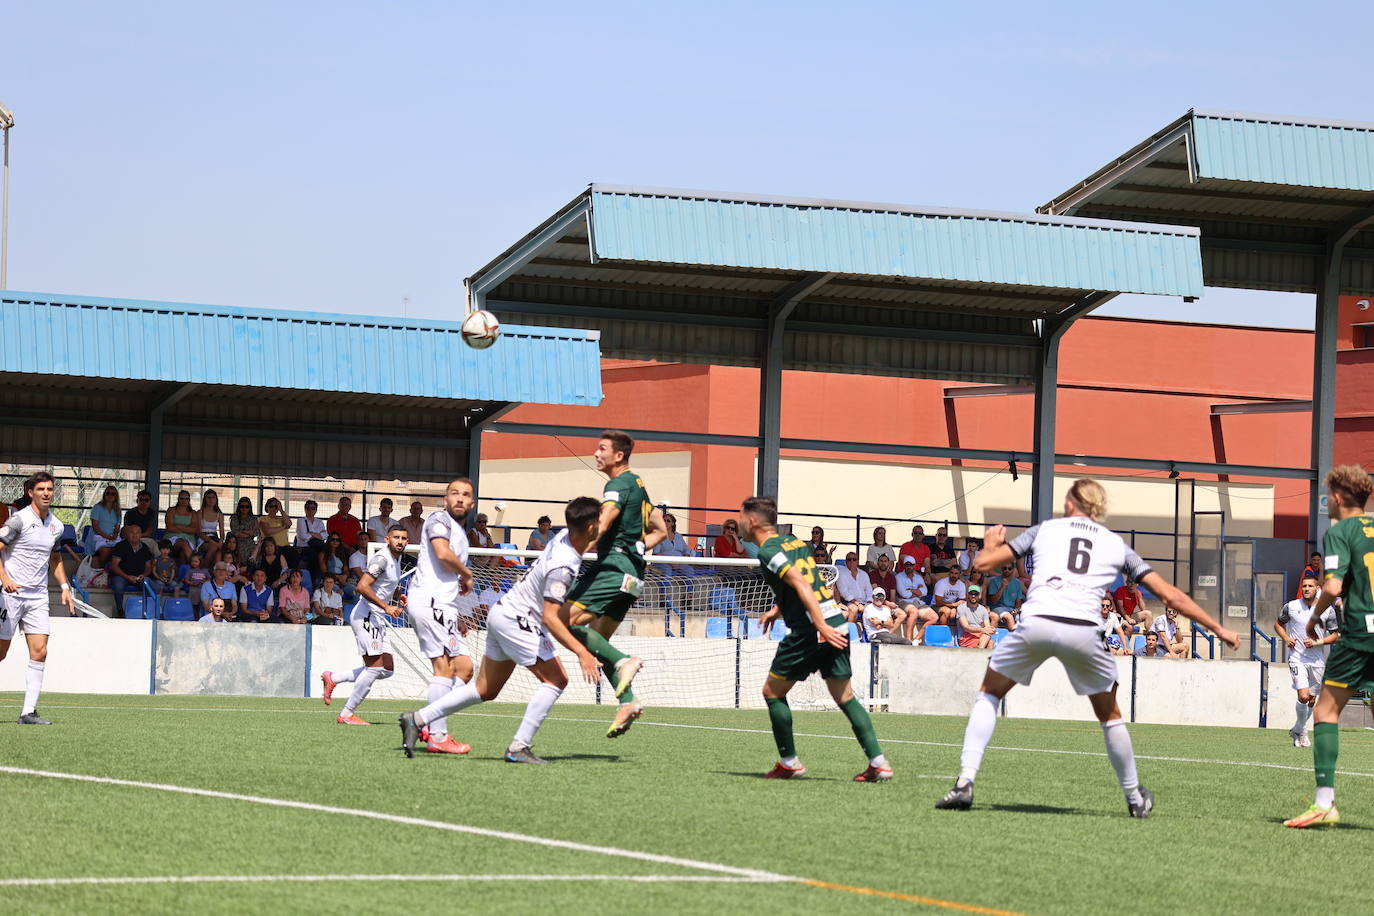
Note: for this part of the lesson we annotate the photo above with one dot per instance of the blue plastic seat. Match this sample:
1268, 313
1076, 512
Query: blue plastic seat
752, 628
1000, 635
723, 599
135, 607
856, 634
779, 630
939, 635
1137, 644
178, 609
717, 627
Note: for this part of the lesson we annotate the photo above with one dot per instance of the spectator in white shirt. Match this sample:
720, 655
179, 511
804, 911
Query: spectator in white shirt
357, 565
852, 587
310, 535
882, 622
327, 602
880, 546
966, 555
379, 524
949, 592
911, 598
221, 611
1166, 628
674, 545
1118, 641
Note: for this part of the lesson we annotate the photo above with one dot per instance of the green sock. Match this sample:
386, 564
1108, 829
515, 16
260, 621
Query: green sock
863, 727
1326, 744
780, 714
607, 654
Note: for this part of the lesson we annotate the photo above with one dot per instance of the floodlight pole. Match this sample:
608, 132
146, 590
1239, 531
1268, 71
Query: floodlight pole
6, 122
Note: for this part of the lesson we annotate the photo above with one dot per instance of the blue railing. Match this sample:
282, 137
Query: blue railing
1255, 634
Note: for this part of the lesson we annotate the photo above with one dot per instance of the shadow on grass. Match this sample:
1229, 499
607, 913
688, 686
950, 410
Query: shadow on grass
757, 775
609, 758
1039, 809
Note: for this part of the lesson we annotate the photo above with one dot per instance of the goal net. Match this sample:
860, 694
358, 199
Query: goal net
696, 626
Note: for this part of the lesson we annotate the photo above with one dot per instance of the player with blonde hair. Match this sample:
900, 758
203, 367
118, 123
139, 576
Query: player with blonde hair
1076, 559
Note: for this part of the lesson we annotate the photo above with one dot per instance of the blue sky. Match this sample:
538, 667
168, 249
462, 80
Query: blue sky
347, 157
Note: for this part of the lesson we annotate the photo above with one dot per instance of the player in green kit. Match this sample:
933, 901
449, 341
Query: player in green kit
1348, 548
813, 645
605, 592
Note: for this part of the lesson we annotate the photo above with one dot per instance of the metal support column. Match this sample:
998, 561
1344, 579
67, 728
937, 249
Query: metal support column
475, 430
152, 481
770, 379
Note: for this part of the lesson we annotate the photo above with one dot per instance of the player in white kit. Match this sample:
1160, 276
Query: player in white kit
377, 588
27, 541
439, 618
1306, 656
1076, 559
518, 630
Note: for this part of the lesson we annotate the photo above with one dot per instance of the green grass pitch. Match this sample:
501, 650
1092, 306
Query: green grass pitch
1049, 833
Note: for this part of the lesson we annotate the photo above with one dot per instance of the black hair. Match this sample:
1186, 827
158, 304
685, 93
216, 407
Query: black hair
399, 527
764, 508
35, 479
620, 441
543, 519
581, 512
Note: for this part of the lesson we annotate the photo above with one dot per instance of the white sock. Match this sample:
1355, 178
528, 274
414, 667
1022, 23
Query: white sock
1123, 758
438, 688
346, 677
545, 695
362, 684
879, 761
460, 696
793, 762
981, 723
1326, 796
1304, 713
33, 685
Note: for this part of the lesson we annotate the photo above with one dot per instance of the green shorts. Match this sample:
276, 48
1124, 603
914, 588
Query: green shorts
609, 588
1349, 667
800, 655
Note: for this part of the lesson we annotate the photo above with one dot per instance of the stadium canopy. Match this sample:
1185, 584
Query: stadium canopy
1282, 203
126, 383
836, 286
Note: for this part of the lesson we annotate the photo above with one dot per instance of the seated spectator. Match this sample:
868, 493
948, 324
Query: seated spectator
309, 529
918, 550
182, 524
949, 592
852, 588
1118, 640
729, 546
673, 545
1314, 568
378, 525
192, 576
221, 611
333, 560
357, 565
540, 536
255, 600
975, 578
106, 521
480, 536
966, 556
414, 523
270, 560
219, 586
976, 626
910, 594
882, 577
1130, 604
228, 554
1166, 626
327, 602
1005, 594
293, 600
1152, 648
131, 562
276, 525
246, 528
942, 554
211, 525
165, 571
820, 550
142, 514
348, 528
880, 548
882, 622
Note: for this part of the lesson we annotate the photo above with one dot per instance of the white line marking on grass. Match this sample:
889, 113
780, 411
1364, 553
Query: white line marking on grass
753, 873
307, 879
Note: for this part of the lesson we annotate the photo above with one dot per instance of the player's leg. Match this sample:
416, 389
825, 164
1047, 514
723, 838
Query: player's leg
444, 676
38, 658
486, 686
1139, 800
1346, 670
595, 611
775, 690
1303, 708
375, 668
553, 680
982, 721
842, 691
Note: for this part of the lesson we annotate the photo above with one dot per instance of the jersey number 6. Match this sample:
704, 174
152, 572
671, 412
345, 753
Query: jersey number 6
1080, 555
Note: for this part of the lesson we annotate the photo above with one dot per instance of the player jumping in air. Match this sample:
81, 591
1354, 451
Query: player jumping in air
1348, 549
518, 629
629, 526
27, 541
1075, 559
813, 645
376, 587
1306, 655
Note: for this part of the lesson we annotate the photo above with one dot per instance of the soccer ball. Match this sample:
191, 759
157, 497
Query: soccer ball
480, 329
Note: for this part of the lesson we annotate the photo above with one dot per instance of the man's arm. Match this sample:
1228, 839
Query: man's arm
365, 589
656, 530
1176, 598
443, 552
797, 582
1281, 631
555, 621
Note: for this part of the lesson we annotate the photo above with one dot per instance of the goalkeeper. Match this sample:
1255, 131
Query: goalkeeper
807, 606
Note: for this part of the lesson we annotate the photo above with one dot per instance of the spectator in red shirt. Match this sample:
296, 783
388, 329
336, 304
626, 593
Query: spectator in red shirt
1130, 605
883, 577
728, 546
916, 549
1314, 569
344, 525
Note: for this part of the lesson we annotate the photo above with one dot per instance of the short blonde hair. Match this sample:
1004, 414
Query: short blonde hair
1352, 483
1090, 497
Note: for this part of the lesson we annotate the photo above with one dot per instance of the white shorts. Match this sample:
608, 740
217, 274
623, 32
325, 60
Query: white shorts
1090, 665
27, 611
436, 626
1307, 677
516, 637
371, 632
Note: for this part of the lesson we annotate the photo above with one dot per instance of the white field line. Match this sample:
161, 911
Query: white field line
761, 731
751, 873
331, 879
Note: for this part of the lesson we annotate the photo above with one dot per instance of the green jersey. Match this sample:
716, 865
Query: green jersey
779, 554
626, 534
1349, 551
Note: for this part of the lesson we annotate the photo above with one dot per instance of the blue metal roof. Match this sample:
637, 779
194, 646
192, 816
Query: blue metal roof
880, 240
1314, 154
175, 342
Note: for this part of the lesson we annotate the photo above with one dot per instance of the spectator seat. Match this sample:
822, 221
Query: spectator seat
1000, 635
1137, 644
939, 635
717, 627
779, 630
856, 634
752, 628
723, 600
178, 609
136, 607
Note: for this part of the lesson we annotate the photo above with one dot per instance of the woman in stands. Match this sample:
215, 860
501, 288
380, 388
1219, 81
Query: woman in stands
243, 524
277, 525
269, 559
105, 524
820, 550
293, 600
182, 524
229, 554
211, 527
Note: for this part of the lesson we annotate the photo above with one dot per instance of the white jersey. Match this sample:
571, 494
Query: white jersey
435, 580
1075, 560
29, 543
386, 573
549, 579
1293, 618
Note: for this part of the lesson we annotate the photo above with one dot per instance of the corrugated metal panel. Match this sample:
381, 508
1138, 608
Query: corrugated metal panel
126, 339
1286, 153
1282, 272
1036, 252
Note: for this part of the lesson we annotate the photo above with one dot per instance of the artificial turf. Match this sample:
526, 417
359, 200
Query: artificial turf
1049, 832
